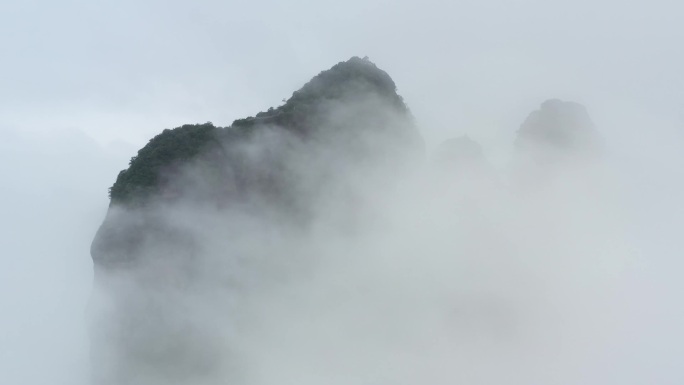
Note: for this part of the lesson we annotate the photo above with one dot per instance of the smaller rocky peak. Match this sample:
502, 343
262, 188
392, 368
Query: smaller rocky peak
462, 159
558, 129
461, 150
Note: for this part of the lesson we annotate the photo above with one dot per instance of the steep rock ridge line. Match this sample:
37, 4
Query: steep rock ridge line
304, 114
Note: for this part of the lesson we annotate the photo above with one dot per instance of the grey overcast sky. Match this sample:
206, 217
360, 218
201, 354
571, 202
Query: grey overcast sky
123, 71
84, 84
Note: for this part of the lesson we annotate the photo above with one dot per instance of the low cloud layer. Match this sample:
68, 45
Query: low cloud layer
401, 272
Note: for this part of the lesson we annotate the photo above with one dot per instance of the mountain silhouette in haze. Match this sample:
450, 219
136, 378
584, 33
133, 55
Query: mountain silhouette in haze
559, 130
286, 165
461, 156
347, 117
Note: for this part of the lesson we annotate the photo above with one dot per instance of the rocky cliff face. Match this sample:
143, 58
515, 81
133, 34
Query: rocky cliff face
160, 243
344, 120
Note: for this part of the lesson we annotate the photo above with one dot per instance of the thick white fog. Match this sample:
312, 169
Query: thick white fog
573, 282
52, 202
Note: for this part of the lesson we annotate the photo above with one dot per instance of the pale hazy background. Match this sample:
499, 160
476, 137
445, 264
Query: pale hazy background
83, 85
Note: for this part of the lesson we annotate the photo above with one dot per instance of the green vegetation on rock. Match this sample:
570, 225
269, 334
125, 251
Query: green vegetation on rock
170, 148
305, 112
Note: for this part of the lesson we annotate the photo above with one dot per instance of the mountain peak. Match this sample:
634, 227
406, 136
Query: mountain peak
345, 105
343, 82
355, 70
558, 128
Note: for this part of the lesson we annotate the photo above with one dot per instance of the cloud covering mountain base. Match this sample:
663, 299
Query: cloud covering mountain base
349, 259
